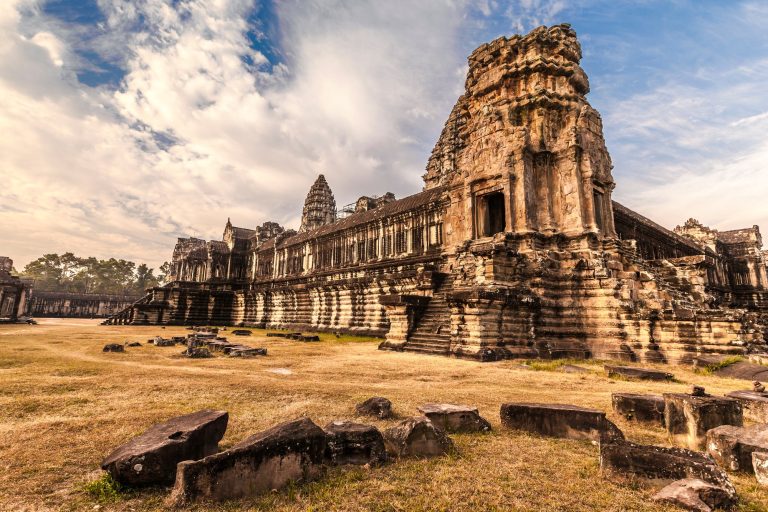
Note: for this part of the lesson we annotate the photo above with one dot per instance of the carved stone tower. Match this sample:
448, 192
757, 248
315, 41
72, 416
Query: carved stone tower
319, 207
523, 151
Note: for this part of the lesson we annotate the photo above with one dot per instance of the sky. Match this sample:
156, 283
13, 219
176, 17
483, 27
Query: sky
125, 124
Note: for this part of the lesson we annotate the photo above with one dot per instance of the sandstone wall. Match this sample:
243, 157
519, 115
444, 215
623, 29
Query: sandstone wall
77, 305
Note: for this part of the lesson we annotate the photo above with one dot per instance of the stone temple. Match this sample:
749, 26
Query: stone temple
514, 247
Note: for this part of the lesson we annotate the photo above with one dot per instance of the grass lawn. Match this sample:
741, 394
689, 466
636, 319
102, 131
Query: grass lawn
64, 405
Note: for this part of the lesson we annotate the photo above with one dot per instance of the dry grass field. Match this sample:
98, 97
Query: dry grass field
64, 405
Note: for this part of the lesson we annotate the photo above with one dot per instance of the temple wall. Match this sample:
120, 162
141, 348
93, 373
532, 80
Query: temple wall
77, 305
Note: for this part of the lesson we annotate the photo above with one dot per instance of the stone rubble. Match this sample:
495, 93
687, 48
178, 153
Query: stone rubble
455, 418
687, 418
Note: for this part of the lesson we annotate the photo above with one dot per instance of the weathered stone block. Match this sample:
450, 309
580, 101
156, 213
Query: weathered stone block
197, 353
113, 347
455, 418
151, 458
354, 443
696, 495
658, 462
559, 420
247, 352
753, 403
760, 467
688, 418
732, 447
639, 407
290, 451
630, 372
377, 406
241, 332
416, 437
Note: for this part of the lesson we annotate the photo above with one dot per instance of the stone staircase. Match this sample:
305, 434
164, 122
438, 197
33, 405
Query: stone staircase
432, 334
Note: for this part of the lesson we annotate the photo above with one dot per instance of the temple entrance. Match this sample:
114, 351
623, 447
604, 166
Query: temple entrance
491, 214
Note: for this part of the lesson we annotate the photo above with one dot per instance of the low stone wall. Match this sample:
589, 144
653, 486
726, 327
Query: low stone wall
77, 305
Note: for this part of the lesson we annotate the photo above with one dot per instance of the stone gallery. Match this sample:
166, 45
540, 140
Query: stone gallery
514, 248
14, 293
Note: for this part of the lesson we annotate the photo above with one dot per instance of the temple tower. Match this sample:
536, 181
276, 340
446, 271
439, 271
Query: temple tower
523, 151
319, 206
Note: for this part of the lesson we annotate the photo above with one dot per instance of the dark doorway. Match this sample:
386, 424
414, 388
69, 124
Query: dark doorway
494, 213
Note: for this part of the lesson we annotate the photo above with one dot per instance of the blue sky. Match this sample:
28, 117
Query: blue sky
132, 122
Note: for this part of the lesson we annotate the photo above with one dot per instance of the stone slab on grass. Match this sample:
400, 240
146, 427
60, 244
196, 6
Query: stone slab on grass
288, 452
639, 407
354, 443
732, 447
760, 467
661, 463
151, 457
559, 420
455, 418
744, 370
687, 417
632, 372
753, 403
416, 437
695, 495
376, 406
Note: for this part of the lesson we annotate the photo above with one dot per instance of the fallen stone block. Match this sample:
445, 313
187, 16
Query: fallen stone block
247, 352
560, 420
162, 342
241, 332
744, 370
308, 338
687, 418
113, 347
696, 495
354, 443
631, 372
178, 339
416, 437
377, 406
197, 353
660, 463
277, 334
760, 467
151, 458
638, 407
288, 452
455, 418
133, 344
570, 368
754, 404
732, 447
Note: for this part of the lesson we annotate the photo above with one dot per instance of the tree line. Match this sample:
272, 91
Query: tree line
70, 273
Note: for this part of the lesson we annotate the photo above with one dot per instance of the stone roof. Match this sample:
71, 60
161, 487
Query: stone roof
242, 232
740, 236
648, 223
358, 219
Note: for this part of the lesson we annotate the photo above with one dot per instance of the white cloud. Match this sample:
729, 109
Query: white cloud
360, 97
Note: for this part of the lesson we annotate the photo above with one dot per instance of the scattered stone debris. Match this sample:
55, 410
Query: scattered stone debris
732, 447
753, 403
197, 353
377, 406
163, 342
354, 443
247, 352
113, 347
688, 417
696, 495
416, 437
658, 462
631, 372
151, 457
277, 335
289, 452
638, 407
760, 467
560, 420
758, 387
241, 332
133, 344
455, 418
